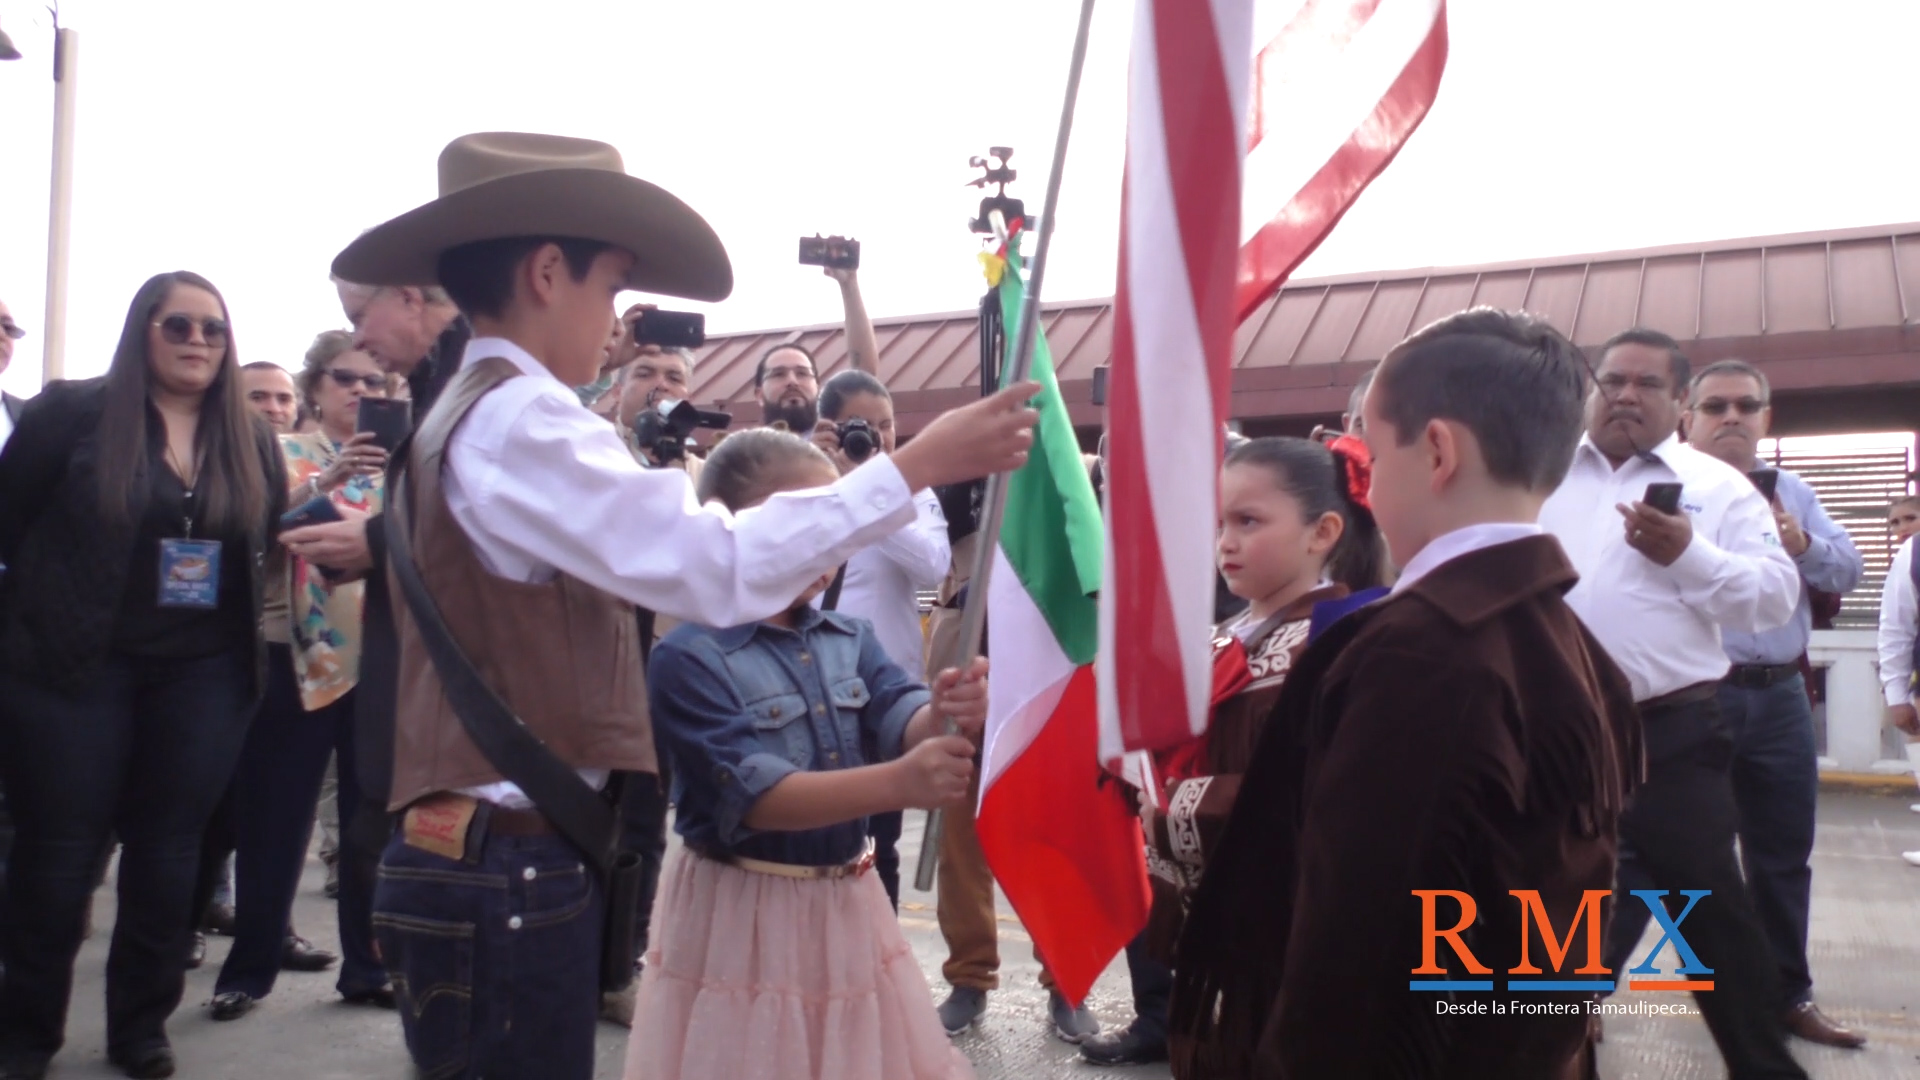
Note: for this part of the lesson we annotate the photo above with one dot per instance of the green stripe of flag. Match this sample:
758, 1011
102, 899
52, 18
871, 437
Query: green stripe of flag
1053, 534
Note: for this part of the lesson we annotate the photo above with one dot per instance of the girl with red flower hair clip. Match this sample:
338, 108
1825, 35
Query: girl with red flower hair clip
1295, 535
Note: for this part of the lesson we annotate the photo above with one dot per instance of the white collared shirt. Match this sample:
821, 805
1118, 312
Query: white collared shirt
1447, 547
1899, 623
883, 582
1662, 624
6, 425
542, 486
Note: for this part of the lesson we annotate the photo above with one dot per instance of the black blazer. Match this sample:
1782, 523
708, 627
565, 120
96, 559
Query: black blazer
65, 569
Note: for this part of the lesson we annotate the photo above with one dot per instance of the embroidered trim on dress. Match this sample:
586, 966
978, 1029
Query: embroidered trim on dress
1270, 667
1159, 867
1183, 832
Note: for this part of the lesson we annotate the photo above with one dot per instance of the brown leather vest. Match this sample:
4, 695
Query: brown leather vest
565, 656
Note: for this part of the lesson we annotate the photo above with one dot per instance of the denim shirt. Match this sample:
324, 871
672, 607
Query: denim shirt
1831, 564
738, 710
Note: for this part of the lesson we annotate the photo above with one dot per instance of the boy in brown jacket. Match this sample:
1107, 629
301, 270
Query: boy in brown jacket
1464, 737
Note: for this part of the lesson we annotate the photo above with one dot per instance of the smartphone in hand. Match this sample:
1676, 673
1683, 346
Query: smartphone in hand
1767, 481
1663, 497
390, 420
315, 511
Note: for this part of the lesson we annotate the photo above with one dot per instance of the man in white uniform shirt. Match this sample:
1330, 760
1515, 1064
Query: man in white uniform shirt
1656, 588
1900, 654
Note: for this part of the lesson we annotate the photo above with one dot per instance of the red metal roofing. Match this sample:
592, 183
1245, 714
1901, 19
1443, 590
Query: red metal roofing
1814, 310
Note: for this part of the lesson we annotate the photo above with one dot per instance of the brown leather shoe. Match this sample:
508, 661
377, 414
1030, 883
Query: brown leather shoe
1807, 1021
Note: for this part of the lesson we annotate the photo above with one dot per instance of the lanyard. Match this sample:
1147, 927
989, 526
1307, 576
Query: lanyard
188, 481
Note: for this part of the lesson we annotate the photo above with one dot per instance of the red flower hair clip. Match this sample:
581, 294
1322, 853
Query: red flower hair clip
1356, 465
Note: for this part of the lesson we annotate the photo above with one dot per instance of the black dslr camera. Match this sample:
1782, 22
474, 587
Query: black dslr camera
661, 430
857, 439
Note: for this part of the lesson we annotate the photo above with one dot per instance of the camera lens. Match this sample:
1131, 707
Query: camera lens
856, 440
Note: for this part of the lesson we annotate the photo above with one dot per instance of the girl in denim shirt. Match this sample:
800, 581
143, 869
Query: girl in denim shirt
775, 953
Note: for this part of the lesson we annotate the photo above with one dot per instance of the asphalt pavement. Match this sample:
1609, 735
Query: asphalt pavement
1865, 950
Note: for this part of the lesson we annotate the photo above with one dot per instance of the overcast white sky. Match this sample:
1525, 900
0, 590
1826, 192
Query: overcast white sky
250, 139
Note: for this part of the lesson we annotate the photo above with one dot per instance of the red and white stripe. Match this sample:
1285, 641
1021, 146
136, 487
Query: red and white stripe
1339, 86
1336, 88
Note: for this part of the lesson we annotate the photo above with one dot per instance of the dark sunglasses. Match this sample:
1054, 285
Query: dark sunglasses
1747, 406
178, 330
12, 329
342, 377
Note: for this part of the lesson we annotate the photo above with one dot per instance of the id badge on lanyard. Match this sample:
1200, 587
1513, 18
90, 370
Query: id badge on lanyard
189, 569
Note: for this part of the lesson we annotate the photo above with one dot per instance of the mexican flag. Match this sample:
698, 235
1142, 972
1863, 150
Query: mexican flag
1061, 838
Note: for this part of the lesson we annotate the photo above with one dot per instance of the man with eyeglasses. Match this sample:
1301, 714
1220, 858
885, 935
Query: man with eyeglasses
1658, 587
1776, 772
405, 330
10, 332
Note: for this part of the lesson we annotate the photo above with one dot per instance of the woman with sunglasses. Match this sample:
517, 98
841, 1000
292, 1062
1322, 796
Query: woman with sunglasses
313, 635
136, 511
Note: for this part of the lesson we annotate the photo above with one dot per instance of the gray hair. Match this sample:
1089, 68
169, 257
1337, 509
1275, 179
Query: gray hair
1731, 367
433, 294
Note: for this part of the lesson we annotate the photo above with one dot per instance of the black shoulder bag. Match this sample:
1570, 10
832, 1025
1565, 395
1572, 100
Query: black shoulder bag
585, 817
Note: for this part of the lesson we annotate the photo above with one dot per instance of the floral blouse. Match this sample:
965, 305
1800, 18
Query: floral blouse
326, 617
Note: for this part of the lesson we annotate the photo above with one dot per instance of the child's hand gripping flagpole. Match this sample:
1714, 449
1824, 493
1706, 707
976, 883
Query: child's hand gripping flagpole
973, 618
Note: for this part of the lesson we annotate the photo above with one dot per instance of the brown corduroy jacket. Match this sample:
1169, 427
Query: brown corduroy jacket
1466, 734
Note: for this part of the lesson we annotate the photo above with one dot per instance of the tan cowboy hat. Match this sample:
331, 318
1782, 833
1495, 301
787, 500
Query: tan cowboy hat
500, 184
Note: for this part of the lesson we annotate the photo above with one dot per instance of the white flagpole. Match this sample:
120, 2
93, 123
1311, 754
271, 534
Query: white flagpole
973, 619
66, 78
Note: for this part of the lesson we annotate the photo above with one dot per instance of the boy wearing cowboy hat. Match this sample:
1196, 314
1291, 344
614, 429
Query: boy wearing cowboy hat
535, 533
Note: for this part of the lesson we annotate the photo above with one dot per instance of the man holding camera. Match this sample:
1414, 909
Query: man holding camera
1671, 546
537, 534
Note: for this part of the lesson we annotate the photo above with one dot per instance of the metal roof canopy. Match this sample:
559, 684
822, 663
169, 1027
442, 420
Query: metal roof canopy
1819, 313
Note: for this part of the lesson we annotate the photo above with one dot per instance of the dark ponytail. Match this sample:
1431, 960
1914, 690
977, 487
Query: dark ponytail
1324, 481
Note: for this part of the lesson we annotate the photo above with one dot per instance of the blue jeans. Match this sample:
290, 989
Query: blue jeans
144, 751
495, 958
1776, 784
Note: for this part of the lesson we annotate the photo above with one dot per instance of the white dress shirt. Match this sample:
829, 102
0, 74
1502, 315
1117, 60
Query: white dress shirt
1899, 623
882, 582
541, 486
1447, 547
1662, 624
6, 425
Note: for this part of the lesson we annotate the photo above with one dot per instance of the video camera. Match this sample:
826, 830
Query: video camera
661, 429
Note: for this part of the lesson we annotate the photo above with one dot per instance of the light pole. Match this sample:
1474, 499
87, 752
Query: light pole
66, 83
66, 77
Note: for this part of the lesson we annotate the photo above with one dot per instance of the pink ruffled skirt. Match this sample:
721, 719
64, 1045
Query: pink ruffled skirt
759, 977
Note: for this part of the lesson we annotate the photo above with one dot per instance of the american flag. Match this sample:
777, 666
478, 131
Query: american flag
1252, 127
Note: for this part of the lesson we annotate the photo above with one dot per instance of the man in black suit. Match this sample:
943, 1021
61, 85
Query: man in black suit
10, 332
